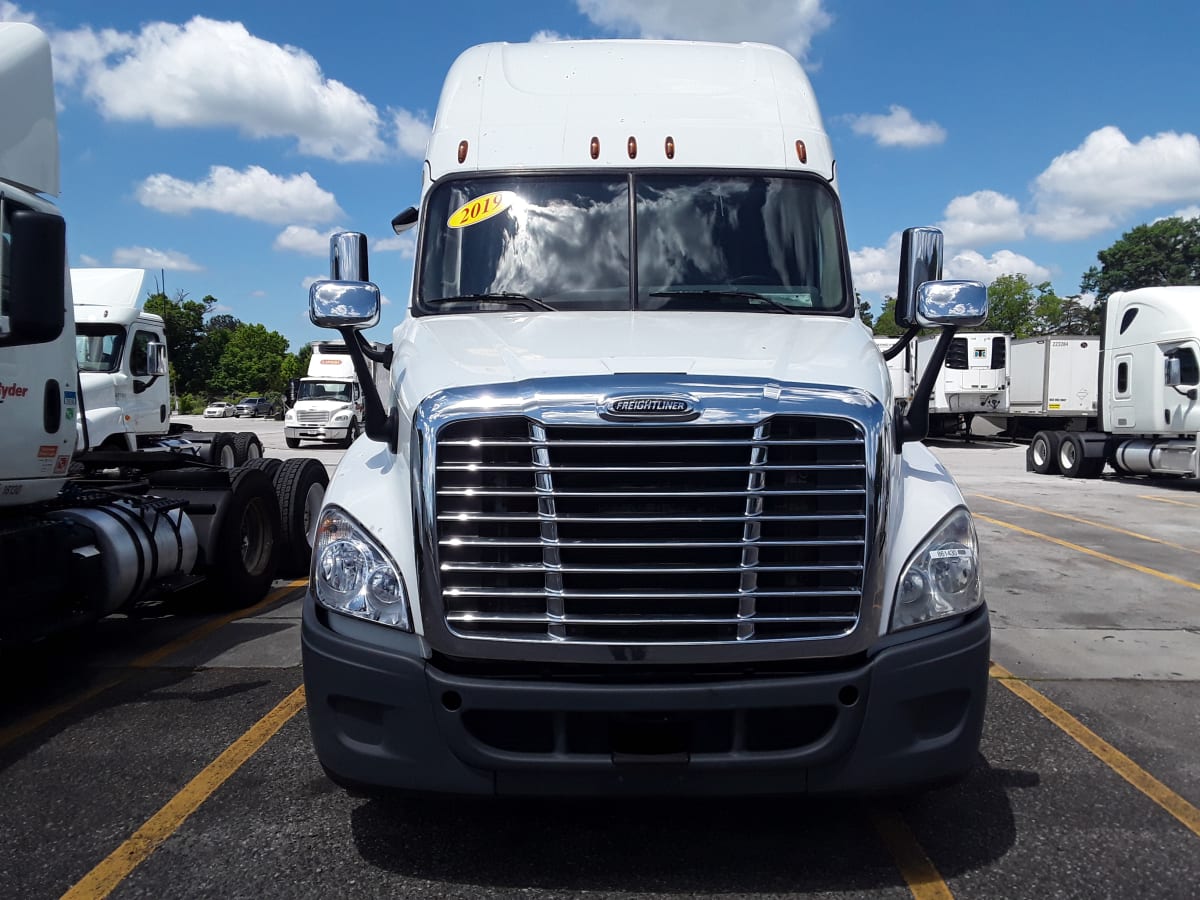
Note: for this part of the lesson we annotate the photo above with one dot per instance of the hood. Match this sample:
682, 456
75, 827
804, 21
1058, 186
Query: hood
496, 348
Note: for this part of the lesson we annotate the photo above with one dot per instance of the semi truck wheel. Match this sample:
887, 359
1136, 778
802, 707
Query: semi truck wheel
351, 434
1043, 452
300, 486
248, 544
268, 464
222, 451
246, 446
1077, 456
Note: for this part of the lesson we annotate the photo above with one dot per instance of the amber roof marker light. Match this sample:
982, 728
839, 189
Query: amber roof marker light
670, 147
632, 145
462, 152
801, 152
595, 148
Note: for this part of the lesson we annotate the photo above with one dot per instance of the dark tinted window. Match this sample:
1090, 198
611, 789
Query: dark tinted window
139, 357
1123, 378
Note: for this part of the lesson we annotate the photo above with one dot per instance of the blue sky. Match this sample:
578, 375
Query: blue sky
222, 141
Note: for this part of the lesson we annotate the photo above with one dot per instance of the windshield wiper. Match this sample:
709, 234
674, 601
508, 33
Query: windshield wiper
747, 295
508, 298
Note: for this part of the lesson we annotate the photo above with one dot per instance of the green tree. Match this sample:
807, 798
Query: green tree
183, 321
1163, 252
864, 311
252, 362
885, 325
1022, 309
211, 347
295, 365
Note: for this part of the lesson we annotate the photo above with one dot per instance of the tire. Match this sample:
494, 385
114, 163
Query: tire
247, 547
300, 487
292, 443
222, 451
268, 464
351, 434
1073, 459
1043, 452
247, 446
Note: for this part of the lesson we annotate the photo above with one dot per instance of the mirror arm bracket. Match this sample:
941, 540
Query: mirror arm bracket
378, 425
905, 339
914, 424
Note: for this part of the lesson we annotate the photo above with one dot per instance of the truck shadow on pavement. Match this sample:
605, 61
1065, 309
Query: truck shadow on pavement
681, 846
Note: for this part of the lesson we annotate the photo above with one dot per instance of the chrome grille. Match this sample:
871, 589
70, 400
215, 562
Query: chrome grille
651, 534
312, 416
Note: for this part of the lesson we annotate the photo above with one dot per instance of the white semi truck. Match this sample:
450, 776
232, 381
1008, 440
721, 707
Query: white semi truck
329, 406
1144, 371
639, 512
972, 381
85, 532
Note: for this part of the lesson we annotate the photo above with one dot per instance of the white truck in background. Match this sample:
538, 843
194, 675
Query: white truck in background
639, 512
899, 367
972, 381
86, 532
328, 405
1145, 374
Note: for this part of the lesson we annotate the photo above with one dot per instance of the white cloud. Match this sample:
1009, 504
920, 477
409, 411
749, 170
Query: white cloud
791, 24
258, 294
86, 260
545, 36
982, 218
974, 266
412, 133
149, 258
876, 269
1188, 212
1091, 188
210, 73
10, 12
309, 280
897, 129
301, 239
253, 193
404, 244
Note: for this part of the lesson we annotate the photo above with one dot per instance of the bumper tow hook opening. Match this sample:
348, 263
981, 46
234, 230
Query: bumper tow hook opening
452, 701
848, 696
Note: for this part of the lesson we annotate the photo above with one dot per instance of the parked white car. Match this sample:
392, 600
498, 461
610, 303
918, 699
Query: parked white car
219, 410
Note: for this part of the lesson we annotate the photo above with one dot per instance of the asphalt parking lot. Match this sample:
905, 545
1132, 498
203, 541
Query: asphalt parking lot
166, 753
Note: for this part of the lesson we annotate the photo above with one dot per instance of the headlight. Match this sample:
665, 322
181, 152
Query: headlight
290, 416
942, 578
341, 416
353, 575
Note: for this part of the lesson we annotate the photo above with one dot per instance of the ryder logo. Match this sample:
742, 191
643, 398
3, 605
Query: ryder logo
13, 390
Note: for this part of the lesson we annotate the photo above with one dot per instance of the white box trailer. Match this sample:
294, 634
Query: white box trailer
1056, 376
973, 380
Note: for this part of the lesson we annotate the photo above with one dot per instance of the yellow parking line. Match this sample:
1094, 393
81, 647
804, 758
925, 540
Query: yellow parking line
921, 875
1187, 814
1145, 570
32, 723
1094, 524
1168, 500
117, 866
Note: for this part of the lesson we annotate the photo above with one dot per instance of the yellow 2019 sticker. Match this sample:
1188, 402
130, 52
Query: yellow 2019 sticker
480, 209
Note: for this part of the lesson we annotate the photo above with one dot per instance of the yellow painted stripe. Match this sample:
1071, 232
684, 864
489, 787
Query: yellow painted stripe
921, 875
1187, 814
1168, 500
1145, 570
42, 717
1091, 522
104, 878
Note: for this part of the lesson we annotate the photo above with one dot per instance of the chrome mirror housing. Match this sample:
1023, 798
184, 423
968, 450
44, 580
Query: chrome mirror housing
344, 304
963, 304
348, 257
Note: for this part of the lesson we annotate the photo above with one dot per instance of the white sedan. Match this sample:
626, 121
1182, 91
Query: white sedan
219, 410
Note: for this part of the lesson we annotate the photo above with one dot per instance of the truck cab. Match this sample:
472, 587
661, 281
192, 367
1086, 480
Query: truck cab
121, 352
638, 511
329, 405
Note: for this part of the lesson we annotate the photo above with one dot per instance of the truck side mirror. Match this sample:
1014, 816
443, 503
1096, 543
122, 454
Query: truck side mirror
156, 359
404, 220
1173, 375
36, 289
963, 304
920, 261
351, 305
348, 257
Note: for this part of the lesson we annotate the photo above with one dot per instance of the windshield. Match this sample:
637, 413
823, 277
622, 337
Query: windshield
728, 241
98, 347
330, 390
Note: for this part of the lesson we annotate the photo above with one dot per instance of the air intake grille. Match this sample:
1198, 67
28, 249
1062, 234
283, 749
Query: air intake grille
312, 416
651, 534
